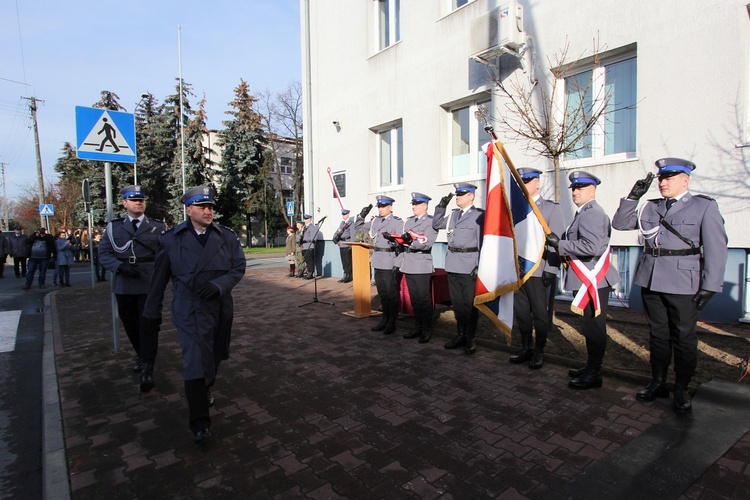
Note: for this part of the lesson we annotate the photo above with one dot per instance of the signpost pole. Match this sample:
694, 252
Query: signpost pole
108, 188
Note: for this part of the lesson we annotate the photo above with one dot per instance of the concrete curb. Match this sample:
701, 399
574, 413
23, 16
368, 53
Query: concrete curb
54, 463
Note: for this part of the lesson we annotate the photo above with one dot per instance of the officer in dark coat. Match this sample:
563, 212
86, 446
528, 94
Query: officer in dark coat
385, 272
204, 262
128, 250
464, 226
682, 266
19, 251
531, 302
416, 265
585, 246
307, 241
345, 233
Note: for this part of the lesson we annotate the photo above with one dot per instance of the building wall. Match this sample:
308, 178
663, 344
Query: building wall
693, 66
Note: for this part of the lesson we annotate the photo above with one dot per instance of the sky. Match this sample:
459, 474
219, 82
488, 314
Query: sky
66, 53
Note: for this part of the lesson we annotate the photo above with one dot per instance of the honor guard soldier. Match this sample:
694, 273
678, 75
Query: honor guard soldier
345, 233
128, 249
307, 240
204, 261
585, 247
416, 265
385, 272
682, 266
464, 226
531, 304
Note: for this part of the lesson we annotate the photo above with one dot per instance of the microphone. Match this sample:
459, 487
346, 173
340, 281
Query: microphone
321, 220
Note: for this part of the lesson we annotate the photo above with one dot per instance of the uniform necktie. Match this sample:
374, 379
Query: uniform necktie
670, 202
135, 225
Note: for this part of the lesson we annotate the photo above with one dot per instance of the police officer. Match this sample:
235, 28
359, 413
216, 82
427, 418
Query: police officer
128, 249
307, 242
585, 245
464, 226
345, 233
385, 272
531, 303
416, 265
682, 266
204, 262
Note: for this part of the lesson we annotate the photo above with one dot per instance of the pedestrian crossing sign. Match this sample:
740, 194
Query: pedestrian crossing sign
46, 210
105, 135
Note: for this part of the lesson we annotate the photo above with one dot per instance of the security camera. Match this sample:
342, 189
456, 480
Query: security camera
335, 123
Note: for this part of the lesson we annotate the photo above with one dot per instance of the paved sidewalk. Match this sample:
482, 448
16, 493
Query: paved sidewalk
312, 404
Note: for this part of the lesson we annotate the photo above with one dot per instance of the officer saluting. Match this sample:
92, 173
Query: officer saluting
682, 266
345, 233
416, 265
128, 249
531, 302
585, 245
464, 227
386, 274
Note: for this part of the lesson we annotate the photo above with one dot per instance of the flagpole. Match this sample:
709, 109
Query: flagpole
182, 114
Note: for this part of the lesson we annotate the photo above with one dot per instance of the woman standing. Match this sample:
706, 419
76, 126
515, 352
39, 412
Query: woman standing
65, 250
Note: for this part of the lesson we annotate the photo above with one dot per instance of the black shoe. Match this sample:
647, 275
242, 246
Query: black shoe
138, 365
591, 379
147, 377
412, 334
656, 389
202, 435
576, 372
309, 277
682, 404
347, 280
42, 286
425, 337
470, 347
522, 357
340, 281
381, 325
390, 328
537, 361
457, 341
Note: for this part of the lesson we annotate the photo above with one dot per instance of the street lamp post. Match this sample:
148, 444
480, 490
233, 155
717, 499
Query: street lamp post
135, 165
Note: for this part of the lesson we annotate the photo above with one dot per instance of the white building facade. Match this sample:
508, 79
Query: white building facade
390, 92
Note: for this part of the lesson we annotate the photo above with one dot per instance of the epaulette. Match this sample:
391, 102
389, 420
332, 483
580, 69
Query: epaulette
655, 200
165, 231
227, 228
119, 219
397, 217
703, 196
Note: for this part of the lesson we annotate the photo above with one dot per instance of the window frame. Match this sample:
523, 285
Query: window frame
395, 132
388, 32
477, 168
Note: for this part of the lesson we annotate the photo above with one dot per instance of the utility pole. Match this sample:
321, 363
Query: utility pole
39, 173
5, 202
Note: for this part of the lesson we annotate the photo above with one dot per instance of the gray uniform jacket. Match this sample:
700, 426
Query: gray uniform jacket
384, 254
696, 218
553, 215
417, 259
587, 238
463, 233
18, 246
128, 246
203, 325
308, 236
346, 227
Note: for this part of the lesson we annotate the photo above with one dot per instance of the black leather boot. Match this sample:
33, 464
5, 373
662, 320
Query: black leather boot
682, 401
658, 387
382, 324
471, 346
147, 376
537, 360
576, 372
138, 365
417, 330
460, 338
590, 379
426, 320
526, 351
390, 327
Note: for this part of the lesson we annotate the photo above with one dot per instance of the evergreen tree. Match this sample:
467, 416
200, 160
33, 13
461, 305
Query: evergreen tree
72, 171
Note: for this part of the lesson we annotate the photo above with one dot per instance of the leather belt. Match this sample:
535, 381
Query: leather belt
411, 250
384, 249
462, 250
667, 252
137, 260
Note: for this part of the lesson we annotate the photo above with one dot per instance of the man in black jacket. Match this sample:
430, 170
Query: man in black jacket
41, 251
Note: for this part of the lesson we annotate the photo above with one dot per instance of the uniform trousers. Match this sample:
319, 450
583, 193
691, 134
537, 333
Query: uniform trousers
309, 255
19, 266
196, 394
672, 319
386, 282
530, 306
461, 288
420, 294
346, 259
594, 329
130, 308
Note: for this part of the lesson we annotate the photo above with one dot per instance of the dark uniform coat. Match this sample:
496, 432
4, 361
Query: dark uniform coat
120, 244
417, 259
696, 218
464, 232
203, 326
553, 215
384, 254
587, 238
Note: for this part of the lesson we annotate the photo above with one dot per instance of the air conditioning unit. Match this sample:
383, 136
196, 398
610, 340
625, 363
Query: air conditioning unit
498, 32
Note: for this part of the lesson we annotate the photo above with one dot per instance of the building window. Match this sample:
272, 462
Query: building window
287, 165
612, 85
467, 138
620, 258
391, 156
389, 22
458, 3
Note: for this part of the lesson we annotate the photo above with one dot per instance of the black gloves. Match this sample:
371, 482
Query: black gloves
640, 187
208, 291
129, 270
388, 236
701, 298
553, 240
444, 201
407, 238
365, 211
548, 278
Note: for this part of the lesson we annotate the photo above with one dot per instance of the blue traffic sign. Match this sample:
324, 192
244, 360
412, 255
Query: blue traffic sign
290, 208
105, 135
46, 210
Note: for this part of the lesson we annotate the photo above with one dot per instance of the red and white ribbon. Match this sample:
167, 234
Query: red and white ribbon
590, 279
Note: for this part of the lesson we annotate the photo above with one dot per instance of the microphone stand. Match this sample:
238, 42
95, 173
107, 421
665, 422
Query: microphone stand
315, 275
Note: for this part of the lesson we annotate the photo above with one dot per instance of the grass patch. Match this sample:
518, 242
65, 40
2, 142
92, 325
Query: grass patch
263, 250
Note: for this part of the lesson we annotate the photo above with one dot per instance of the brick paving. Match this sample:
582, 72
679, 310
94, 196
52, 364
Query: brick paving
312, 404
